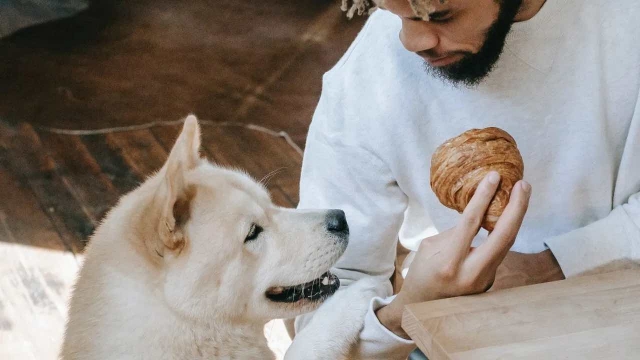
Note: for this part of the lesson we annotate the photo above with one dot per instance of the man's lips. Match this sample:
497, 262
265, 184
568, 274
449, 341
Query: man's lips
441, 60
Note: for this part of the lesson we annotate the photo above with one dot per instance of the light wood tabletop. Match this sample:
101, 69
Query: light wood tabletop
590, 317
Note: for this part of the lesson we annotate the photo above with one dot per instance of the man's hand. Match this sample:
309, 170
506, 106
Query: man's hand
445, 266
518, 269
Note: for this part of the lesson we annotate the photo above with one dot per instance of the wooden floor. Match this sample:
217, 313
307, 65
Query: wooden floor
130, 62
124, 63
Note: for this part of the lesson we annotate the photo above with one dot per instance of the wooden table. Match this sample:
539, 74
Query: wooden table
590, 317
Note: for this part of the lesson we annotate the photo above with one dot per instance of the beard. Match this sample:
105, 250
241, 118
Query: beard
474, 67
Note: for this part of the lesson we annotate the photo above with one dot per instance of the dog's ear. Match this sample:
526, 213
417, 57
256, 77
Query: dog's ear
173, 196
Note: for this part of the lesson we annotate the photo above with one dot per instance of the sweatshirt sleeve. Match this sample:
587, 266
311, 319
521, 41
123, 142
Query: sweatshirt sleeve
339, 173
610, 242
613, 241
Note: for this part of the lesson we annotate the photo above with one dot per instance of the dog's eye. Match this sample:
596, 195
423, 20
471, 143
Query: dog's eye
254, 231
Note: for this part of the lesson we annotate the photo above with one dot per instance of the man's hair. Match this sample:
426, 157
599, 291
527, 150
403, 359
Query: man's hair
359, 6
422, 8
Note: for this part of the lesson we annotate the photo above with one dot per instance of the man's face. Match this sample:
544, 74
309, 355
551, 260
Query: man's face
463, 38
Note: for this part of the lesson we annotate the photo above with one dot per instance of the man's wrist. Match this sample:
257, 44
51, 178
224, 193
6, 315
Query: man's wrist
556, 273
390, 316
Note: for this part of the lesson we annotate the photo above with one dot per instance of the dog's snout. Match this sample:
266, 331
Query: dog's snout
336, 222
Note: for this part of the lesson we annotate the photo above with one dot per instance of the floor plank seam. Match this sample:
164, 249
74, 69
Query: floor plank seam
110, 130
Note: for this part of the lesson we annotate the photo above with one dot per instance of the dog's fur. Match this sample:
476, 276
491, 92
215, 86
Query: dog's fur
168, 274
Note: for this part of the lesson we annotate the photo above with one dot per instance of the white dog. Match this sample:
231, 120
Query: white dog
195, 261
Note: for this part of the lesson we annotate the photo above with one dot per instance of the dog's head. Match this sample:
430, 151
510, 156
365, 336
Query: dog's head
222, 249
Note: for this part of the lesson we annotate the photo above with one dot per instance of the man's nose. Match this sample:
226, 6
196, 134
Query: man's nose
418, 36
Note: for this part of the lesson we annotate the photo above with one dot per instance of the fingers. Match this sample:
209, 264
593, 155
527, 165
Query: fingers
472, 216
492, 252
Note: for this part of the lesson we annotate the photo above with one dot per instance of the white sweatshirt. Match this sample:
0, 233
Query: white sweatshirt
566, 88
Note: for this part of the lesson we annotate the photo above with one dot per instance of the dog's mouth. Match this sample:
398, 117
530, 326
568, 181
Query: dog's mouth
318, 289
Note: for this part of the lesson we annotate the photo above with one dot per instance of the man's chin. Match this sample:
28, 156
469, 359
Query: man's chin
456, 75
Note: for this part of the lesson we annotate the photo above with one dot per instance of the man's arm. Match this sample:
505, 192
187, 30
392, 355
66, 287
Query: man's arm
342, 169
607, 244
520, 269
614, 241
351, 178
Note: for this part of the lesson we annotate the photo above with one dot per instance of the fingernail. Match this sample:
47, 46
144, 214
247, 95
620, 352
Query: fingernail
526, 187
494, 177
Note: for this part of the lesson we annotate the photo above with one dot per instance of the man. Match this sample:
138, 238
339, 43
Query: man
561, 76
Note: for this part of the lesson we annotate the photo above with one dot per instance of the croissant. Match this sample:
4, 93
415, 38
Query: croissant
460, 163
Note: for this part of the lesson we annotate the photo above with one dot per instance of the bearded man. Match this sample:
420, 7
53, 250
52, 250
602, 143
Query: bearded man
561, 76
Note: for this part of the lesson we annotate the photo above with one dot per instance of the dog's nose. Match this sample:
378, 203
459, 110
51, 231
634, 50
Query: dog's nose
337, 222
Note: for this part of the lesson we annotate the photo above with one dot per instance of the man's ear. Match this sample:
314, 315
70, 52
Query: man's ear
173, 197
